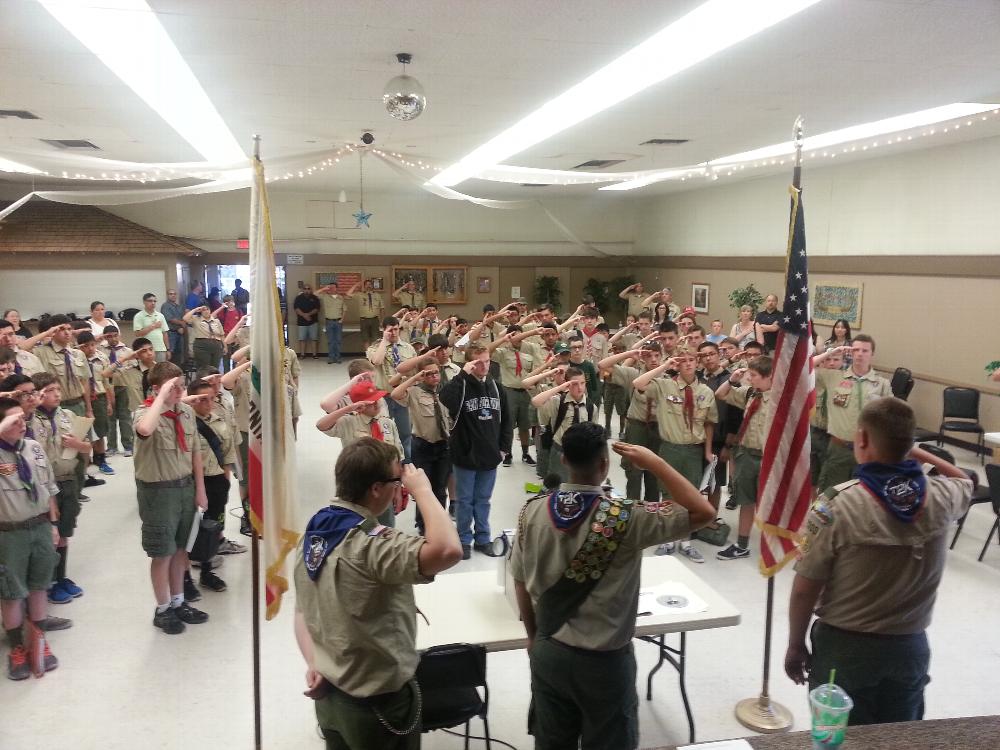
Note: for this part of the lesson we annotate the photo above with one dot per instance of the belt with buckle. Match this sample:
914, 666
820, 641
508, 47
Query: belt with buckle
21, 525
335, 320
166, 484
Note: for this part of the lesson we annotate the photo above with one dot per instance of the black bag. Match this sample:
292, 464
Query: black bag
206, 544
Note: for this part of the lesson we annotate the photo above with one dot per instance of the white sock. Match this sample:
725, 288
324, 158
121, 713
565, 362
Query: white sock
176, 600
161, 608
685, 544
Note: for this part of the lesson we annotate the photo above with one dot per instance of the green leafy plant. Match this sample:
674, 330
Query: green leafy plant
747, 295
547, 291
614, 304
993, 366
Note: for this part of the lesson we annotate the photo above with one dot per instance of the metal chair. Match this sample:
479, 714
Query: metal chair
450, 677
993, 478
961, 414
980, 494
901, 383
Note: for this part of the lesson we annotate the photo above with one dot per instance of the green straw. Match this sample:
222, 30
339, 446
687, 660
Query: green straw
833, 674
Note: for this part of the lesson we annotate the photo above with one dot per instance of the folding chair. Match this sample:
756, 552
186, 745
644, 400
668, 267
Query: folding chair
450, 677
960, 413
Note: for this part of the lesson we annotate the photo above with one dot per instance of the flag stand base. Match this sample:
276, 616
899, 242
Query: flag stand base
762, 714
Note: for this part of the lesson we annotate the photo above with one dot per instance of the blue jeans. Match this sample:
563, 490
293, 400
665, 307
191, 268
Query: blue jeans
474, 491
401, 416
334, 331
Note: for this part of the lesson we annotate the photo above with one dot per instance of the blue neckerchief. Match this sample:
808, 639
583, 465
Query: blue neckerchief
325, 531
567, 508
901, 488
23, 467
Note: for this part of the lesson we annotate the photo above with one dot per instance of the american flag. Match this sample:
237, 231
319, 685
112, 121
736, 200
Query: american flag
783, 492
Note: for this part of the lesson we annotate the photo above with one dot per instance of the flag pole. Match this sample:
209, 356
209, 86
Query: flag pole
255, 587
761, 714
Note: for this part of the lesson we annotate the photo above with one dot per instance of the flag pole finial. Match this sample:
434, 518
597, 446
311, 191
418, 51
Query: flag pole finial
797, 139
256, 147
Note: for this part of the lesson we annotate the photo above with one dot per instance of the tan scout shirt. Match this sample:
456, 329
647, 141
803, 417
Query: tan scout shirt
550, 410
606, 619
159, 458
846, 395
385, 371
668, 395
97, 365
640, 407
29, 363
635, 302
209, 463
241, 402
416, 300
207, 327
119, 378
17, 501
333, 306
819, 416
506, 355
48, 431
370, 305
350, 428
53, 361
420, 402
881, 575
360, 612
755, 434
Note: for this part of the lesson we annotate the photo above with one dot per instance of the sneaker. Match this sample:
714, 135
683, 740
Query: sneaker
229, 547
731, 503
71, 588
246, 529
191, 592
215, 562
91, 481
666, 549
59, 595
733, 552
111, 452
486, 549
466, 551
17, 664
528, 459
51, 623
105, 469
190, 615
168, 622
507, 460
621, 435
83, 498
212, 582
49, 659
127, 453
692, 554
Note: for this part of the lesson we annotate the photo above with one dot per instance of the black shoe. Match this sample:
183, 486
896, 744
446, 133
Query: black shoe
190, 615
93, 481
212, 582
168, 622
528, 459
731, 503
508, 460
191, 592
246, 529
466, 551
486, 549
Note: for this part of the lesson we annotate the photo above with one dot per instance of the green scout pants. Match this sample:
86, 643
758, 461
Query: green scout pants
582, 698
686, 460
838, 466
615, 399
648, 435
68, 502
121, 419
819, 441
100, 405
349, 723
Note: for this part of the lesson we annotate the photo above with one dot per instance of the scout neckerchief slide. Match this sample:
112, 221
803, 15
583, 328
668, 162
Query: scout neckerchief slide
900, 488
567, 510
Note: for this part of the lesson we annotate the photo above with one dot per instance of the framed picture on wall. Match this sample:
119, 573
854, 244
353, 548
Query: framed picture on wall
833, 302
483, 285
419, 275
377, 283
342, 280
699, 297
448, 285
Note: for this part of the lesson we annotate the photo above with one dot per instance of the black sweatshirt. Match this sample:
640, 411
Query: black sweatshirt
481, 422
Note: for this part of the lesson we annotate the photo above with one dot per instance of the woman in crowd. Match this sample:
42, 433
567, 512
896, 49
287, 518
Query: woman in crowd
20, 331
661, 313
98, 322
744, 330
841, 336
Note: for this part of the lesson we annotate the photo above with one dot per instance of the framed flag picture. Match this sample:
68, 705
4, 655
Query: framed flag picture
835, 301
419, 275
699, 297
449, 285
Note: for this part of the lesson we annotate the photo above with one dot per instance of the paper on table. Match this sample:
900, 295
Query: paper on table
723, 745
81, 426
654, 600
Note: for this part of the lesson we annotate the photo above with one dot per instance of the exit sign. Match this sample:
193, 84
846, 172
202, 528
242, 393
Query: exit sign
242, 244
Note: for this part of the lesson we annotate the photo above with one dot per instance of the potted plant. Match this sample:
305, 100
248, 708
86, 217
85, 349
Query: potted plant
747, 295
547, 291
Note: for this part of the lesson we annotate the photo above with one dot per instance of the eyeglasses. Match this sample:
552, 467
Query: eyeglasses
28, 394
398, 481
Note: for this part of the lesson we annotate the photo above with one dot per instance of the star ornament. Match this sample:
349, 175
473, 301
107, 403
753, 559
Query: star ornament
361, 218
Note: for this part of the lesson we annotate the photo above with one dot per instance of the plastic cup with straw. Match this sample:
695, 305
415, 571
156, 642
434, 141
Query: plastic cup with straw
830, 708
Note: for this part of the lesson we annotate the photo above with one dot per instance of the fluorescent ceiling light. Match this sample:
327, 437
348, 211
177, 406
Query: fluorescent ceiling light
127, 36
851, 134
6, 165
708, 29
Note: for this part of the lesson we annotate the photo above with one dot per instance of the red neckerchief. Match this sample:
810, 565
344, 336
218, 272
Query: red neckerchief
174, 417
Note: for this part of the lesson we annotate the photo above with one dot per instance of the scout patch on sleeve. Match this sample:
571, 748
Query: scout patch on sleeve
40, 459
8, 469
380, 530
315, 552
821, 513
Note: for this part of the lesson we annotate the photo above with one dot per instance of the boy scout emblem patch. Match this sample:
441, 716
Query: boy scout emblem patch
568, 508
8, 469
315, 553
822, 513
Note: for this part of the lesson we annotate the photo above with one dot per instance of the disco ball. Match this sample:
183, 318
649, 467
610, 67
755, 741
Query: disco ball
404, 98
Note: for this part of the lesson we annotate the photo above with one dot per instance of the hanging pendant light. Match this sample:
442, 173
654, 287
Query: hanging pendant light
403, 96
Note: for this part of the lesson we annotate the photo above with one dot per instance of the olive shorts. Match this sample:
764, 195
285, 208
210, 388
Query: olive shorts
166, 514
838, 466
686, 460
27, 560
745, 476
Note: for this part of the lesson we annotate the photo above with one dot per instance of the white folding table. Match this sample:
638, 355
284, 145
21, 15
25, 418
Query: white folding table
472, 608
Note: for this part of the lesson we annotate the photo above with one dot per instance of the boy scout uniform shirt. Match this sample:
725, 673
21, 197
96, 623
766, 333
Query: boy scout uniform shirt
209, 463
606, 619
384, 372
54, 360
28, 362
668, 396
333, 306
159, 457
415, 300
420, 403
370, 305
350, 428
98, 363
507, 357
635, 302
550, 410
49, 432
846, 395
241, 402
119, 378
880, 575
18, 501
360, 611
755, 435
207, 328
639, 407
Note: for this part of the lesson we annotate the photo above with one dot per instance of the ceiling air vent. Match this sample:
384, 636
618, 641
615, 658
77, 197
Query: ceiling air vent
21, 114
598, 163
535, 184
70, 143
664, 141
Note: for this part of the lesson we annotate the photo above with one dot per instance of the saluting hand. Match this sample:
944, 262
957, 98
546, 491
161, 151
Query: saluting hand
415, 480
639, 456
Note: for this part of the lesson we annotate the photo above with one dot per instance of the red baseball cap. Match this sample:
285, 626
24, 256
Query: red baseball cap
365, 390
688, 311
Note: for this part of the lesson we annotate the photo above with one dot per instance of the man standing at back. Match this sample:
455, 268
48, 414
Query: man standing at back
241, 297
580, 627
150, 324
174, 314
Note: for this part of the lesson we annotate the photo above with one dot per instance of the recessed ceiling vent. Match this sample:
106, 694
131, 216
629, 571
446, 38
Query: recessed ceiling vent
535, 184
70, 143
664, 141
21, 114
598, 163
